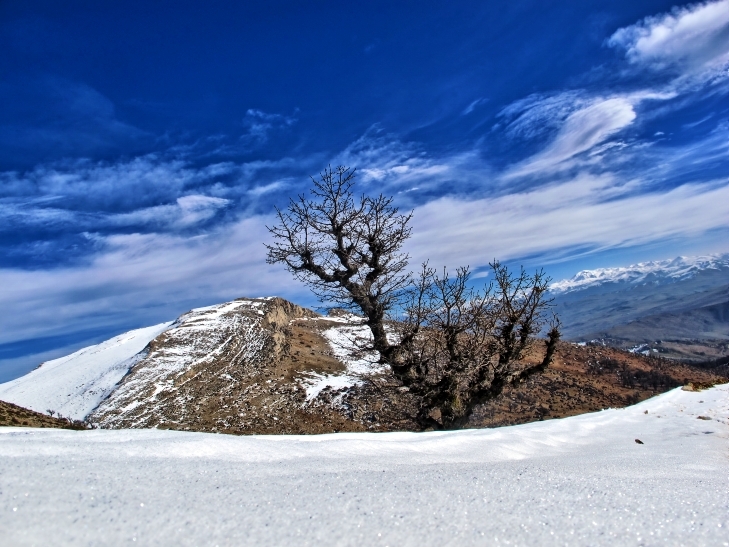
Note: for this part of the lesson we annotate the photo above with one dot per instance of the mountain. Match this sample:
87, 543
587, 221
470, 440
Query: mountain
661, 272
683, 303
74, 385
266, 365
260, 365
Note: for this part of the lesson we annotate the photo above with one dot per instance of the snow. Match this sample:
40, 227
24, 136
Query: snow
643, 349
575, 481
77, 384
197, 337
74, 385
677, 269
347, 342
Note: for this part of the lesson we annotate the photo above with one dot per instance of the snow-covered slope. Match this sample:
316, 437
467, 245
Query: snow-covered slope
74, 385
225, 334
576, 481
346, 339
661, 271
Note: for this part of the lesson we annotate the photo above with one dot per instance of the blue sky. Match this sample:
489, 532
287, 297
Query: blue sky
144, 145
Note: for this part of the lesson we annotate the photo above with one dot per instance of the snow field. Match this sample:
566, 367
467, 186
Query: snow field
575, 481
74, 385
346, 342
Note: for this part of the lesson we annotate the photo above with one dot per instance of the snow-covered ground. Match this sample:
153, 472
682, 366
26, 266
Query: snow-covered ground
576, 481
676, 269
350, 342
346, 341
74, 385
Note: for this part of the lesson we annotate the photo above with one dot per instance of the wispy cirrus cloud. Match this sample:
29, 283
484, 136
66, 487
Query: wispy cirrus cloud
260, 124
688, 47
593, 212
581, 131
147, 191
138, 278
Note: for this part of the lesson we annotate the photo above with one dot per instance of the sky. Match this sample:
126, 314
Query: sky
145, 145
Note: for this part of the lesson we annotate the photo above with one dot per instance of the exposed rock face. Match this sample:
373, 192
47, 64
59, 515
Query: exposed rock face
253, 366
209, 355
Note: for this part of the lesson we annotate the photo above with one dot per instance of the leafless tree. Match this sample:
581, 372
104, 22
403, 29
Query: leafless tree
461, 346
347, 250
455, 346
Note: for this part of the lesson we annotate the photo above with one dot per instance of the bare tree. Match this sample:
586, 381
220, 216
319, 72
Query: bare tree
461, 346
346, 250
455, 346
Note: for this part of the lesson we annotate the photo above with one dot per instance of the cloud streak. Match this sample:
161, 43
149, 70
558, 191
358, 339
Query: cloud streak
587, 211
137, 278
692, 41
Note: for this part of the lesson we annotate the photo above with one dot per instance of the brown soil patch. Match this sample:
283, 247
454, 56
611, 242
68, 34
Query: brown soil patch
587, 379
17, 416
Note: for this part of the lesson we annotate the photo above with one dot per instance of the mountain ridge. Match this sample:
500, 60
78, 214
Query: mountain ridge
268, 366
657, 271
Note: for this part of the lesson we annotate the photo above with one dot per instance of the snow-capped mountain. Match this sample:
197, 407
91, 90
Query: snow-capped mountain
252, 364
74, 385
684, 301
656, 272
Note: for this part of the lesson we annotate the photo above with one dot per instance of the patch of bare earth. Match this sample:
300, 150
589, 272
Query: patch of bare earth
17, 416
587, 379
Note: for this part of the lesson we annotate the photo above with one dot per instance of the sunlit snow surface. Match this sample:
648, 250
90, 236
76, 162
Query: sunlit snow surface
74, 385
575, 481
350, 343
197, 337
677, 269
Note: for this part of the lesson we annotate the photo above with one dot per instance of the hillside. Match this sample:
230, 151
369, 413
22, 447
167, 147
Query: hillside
265, 365
15, 416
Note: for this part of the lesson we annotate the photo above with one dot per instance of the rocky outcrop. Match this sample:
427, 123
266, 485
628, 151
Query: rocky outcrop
208, 356
261, 365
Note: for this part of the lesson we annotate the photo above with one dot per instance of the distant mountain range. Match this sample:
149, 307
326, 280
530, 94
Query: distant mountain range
683, 303
659, 272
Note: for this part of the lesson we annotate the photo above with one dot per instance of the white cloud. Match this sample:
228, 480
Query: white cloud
187, 211
582, 130
196, 208
586, 211
689, 46
692, 41
140, 278
389, 165
259, 124
536, 115
473, 105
